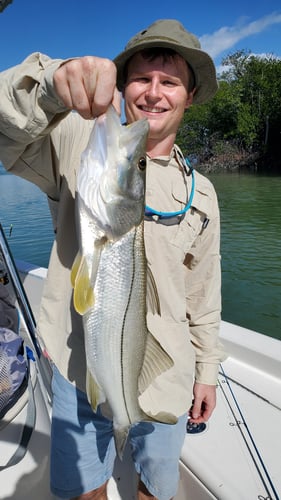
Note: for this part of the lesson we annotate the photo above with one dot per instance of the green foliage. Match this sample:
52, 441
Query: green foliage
245, 112
4, 4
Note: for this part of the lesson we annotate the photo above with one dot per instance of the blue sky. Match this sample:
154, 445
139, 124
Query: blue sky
68, 28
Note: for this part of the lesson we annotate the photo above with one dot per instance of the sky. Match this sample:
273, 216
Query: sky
71, 28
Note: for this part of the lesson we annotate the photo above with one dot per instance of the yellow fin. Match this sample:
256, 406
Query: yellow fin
152, 293
83, 297
75, 268
156, 361
94, 393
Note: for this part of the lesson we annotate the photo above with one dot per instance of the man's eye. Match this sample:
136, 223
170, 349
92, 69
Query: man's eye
168, 83
142, 79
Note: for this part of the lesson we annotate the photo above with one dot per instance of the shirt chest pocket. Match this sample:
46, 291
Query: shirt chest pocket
194, 221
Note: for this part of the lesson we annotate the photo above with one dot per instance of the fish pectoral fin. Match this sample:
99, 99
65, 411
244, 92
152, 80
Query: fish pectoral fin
83, 296
94, 392
152, 293
156, 361
75, 268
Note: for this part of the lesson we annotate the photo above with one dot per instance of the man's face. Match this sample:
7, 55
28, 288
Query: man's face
157, 90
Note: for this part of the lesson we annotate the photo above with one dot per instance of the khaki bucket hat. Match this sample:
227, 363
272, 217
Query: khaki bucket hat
171, 34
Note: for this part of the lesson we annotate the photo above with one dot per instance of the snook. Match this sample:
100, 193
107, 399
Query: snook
110, 274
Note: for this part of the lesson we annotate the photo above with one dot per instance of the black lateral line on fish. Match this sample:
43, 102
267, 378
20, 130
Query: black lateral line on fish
123, 325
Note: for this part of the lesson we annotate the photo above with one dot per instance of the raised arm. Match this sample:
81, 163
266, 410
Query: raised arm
37, 137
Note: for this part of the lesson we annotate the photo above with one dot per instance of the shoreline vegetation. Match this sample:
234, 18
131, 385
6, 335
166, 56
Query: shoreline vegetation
232, 160
240, 128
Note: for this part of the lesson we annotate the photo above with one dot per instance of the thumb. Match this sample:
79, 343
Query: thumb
117, 101
196, 408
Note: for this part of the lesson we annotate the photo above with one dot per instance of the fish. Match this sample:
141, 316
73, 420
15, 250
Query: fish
110, 276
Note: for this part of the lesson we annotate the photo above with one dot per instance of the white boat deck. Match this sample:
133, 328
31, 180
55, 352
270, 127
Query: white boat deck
237, 457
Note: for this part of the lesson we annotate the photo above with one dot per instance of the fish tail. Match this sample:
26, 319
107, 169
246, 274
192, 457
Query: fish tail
120, 437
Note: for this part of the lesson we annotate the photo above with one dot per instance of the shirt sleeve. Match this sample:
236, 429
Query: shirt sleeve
203, 297
29, 111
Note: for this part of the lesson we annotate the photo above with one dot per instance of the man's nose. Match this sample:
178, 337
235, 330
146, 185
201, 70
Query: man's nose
154, 89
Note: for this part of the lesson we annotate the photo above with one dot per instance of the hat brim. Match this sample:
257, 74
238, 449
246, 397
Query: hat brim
200, 62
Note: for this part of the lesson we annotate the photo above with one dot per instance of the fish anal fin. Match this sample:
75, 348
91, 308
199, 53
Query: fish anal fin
83, 296
94, 392
156, 361
152, 293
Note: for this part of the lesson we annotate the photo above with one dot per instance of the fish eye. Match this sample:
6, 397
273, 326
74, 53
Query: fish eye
142, 163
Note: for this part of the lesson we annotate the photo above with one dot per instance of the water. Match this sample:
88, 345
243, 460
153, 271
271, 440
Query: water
251, 242
251, 250
25, 207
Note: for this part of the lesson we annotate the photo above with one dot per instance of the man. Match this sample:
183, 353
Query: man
161, 72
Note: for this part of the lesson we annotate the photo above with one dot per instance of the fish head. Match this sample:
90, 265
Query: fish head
122, 186
114, 187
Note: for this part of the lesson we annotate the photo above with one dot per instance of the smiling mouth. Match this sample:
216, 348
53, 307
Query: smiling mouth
152, 109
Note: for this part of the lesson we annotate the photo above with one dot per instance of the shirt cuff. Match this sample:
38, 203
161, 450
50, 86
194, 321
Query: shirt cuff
48, 98
206, 373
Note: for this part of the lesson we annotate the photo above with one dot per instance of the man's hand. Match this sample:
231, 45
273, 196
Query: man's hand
87, 85
204, 402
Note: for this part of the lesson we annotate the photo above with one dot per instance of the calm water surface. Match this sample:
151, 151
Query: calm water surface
25, 207
251, 242
251, 250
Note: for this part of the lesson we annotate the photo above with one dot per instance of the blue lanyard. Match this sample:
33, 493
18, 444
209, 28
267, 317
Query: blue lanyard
148, 211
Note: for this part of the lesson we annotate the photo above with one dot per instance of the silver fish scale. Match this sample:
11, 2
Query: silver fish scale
116, 328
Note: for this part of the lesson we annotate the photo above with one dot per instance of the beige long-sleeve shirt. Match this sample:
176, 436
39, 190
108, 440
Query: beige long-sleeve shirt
42, 141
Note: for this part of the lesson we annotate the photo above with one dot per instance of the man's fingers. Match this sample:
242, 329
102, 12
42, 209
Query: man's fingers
195, 411
102, 90
204, 402
117, 100
86, 85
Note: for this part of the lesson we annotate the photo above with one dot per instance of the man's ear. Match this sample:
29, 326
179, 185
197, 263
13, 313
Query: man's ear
189, 99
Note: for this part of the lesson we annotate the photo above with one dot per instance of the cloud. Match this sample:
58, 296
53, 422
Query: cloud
228, 36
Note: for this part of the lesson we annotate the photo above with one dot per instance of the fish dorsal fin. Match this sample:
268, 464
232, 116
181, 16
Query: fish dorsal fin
83, 296
156, 361
94, 392
152, 294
